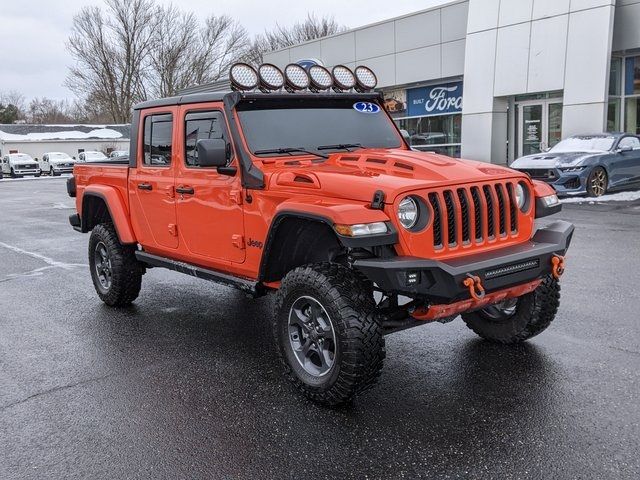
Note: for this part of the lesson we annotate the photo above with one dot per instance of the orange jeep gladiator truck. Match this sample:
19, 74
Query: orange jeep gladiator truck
308, 190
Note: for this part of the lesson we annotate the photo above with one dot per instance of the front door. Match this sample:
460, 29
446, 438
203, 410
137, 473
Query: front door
209, 205
151, 183
539, 126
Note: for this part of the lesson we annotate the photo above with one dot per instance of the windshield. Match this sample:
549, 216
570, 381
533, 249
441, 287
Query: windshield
307, 124
94, 155
584, 144
20, 157
58, 156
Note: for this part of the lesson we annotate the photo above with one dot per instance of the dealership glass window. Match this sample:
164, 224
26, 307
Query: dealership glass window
439, 133
615, 76
632, 115
613, 115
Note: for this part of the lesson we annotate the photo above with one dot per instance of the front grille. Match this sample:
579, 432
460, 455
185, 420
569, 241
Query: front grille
539, 173
473, 214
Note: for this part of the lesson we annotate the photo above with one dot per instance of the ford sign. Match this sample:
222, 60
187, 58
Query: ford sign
435, 100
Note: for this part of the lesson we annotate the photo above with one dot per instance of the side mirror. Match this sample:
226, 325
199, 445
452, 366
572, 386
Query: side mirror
212, 152
626, 148
406, 136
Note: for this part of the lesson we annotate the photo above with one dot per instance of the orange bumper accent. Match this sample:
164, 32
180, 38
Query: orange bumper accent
435, 312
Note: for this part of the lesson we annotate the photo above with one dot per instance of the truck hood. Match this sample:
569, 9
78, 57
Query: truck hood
358, 175
21, 163
553, 160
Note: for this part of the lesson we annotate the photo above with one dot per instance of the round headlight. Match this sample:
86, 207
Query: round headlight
243, 77
344, 78
297, 77
365, 79
320, 78
521, 196
271, 77
408, 213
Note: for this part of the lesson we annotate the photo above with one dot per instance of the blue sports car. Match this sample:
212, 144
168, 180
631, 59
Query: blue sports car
591, 164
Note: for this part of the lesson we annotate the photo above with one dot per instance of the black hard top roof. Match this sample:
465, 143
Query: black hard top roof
220, 96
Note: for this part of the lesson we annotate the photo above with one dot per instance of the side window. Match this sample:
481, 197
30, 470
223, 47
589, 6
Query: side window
632, 142
201, 125
158, 131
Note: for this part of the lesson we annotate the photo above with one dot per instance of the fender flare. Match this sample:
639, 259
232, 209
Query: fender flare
329, 215
117, 211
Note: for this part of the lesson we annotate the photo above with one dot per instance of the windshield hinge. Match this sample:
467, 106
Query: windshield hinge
378, 200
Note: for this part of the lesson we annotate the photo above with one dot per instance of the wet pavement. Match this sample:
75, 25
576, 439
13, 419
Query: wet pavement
185, 383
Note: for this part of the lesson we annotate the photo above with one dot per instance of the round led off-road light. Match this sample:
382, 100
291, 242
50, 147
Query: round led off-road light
343, 78
297, 77
366, 80
271, 78
320, 78
243, 77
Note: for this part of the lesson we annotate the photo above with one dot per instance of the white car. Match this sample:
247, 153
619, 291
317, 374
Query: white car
91, 157
19, 164
57, 163
118, 153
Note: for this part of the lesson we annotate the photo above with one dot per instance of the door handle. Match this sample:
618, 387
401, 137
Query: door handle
145, 186
185, 190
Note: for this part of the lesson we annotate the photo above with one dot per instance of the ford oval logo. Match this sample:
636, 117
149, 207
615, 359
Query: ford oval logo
366, 107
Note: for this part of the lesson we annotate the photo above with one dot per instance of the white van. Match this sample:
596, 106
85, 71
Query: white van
20, 164
57, 163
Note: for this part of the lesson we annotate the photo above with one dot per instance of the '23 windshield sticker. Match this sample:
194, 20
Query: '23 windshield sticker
366, 107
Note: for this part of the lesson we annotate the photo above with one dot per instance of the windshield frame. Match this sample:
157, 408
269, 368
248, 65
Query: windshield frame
298, 102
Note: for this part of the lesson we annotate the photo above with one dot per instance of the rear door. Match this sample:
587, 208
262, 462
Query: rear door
210, 215
151, 182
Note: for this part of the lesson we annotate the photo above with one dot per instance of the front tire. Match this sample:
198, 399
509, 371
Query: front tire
597, 182
13, 174
519, 319
115, 271
327, 333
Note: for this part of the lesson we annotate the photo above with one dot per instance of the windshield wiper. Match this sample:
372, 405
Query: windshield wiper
340, 146
289, 150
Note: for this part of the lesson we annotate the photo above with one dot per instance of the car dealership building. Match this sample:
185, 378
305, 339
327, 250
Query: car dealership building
494, 80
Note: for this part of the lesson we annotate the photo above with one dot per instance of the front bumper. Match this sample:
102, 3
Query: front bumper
563, 182
60, 169
441, 282
27, 171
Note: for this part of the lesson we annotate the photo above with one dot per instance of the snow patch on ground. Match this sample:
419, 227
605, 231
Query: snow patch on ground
62, 206
614, 197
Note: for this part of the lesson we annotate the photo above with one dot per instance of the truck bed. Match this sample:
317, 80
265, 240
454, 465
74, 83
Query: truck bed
114, 173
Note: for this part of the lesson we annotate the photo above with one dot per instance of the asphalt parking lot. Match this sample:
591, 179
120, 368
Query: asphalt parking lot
185, 383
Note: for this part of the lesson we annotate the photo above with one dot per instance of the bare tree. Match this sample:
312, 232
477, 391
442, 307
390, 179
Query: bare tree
280, 37
111, 50
46, 110
185, 52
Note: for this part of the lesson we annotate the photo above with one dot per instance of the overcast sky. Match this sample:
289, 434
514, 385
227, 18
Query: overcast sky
34, 60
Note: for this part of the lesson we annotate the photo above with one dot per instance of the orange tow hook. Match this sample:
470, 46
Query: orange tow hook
557, 266
473, 283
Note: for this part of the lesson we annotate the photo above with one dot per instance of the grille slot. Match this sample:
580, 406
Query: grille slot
513, 208
451, 217
437, 220
490, 215
502, 219
477, 207
464, 210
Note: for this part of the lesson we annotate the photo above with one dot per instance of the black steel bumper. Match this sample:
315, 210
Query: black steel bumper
442, 281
